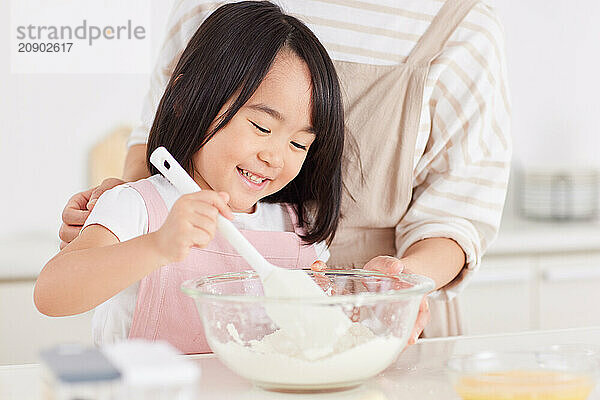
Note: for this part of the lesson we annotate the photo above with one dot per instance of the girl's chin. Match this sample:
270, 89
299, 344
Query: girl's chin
243, 208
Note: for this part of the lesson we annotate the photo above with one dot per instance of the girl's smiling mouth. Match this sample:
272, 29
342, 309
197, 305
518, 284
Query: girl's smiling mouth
252, 180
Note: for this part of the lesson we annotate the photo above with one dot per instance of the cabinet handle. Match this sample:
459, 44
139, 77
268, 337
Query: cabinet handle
558, 274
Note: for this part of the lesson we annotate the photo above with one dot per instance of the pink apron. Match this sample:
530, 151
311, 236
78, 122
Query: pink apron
163, 312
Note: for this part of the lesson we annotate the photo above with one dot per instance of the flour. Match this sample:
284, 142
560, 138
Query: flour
276, 359
315, 327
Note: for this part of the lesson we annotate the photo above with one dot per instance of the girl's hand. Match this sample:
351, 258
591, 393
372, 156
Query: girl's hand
191, 222
320, 279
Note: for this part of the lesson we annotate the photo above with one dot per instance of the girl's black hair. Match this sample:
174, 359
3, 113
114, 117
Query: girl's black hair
231, 53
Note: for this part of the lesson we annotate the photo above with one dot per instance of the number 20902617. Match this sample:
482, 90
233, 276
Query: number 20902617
26, 47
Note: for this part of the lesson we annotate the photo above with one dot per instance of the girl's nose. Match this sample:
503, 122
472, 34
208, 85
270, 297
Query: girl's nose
272, 156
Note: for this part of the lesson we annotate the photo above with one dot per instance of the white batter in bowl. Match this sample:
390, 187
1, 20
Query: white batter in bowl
241, 333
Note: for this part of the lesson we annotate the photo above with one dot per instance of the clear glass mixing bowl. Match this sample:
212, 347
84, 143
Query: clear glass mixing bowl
382, 310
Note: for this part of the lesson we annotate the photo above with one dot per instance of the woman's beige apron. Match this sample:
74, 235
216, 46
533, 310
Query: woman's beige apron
383, 111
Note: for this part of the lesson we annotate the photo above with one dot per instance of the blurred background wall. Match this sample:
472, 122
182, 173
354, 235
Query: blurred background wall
553, 66
49, 123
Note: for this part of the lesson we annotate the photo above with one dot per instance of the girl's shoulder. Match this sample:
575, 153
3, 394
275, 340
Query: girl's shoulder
161, 185
158, 181
122, 211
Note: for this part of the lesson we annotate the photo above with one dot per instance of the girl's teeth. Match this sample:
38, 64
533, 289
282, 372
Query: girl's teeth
252, 177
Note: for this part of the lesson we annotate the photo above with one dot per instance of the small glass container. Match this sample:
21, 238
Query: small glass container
524, 375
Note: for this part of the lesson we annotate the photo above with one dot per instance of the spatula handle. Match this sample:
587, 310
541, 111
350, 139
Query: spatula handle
174, 172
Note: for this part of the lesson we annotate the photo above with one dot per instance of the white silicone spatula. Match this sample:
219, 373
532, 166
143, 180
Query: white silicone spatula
313, 328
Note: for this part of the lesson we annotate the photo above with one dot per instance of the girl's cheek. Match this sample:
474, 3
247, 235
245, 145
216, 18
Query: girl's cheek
295, 170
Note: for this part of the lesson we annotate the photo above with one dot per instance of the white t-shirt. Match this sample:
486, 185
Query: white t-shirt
122, 211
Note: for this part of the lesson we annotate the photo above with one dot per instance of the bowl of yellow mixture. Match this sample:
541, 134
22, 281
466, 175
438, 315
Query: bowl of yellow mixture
524, 375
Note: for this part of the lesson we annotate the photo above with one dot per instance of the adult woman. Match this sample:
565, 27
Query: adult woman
426, 103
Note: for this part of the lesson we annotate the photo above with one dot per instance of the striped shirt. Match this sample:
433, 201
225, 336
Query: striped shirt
463, 148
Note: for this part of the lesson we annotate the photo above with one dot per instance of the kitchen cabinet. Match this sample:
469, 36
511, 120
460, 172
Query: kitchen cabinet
499, 297
569, 291
536, 276
24, 331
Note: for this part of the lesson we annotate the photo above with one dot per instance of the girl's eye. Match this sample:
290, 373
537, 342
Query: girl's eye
298, 145
260, 128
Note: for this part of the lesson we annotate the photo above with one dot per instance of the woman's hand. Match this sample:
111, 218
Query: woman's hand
394, 266
192, 222
78, 209
390, 266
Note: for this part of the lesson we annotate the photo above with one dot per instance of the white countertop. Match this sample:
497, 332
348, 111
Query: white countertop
419, 372
521, 236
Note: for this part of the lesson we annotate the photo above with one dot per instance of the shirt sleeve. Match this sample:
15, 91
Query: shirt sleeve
122, 211
462, 171
185, 18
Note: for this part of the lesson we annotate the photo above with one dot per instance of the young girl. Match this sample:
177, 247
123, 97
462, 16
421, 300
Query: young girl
253, 112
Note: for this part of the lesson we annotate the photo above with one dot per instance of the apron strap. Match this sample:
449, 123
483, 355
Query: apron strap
155, 205
433, 41
294, 217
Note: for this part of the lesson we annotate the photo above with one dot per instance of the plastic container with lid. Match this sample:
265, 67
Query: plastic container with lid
131, 370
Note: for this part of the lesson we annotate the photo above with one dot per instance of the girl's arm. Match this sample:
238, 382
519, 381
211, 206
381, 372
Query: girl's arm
93, 268
96, 266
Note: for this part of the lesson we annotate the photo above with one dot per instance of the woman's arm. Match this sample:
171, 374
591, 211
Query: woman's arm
440, 259
135, 167
461, 176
